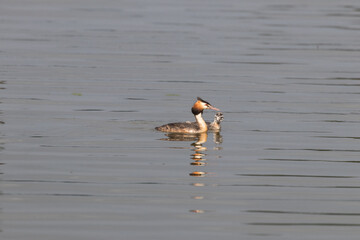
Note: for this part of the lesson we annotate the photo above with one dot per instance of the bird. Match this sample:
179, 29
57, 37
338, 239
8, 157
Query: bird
199, 126
215, 125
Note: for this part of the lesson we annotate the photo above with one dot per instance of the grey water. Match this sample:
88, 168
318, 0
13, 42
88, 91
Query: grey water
84, 83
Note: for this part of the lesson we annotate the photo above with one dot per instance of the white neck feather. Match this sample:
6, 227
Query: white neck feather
201, 122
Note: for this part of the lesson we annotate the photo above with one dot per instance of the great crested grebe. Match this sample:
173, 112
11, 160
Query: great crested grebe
190, 127
215, 125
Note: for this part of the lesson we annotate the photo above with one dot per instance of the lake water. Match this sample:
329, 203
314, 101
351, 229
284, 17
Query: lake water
84, 83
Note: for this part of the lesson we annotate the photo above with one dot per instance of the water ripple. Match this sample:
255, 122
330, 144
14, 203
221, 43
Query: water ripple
294, 175
313, 149
306, 224
305, 213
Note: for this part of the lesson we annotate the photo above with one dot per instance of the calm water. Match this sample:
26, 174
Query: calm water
84, 83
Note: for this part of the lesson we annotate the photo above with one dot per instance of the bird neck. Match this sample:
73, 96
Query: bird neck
215, 125
201, 122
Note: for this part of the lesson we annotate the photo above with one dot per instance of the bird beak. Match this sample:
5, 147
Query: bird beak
213, 108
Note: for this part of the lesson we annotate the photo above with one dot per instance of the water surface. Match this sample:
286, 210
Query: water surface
84, 83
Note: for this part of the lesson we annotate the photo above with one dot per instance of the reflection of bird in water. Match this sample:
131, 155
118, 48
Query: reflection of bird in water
198, 137
199, 126
215, 125
217, 138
